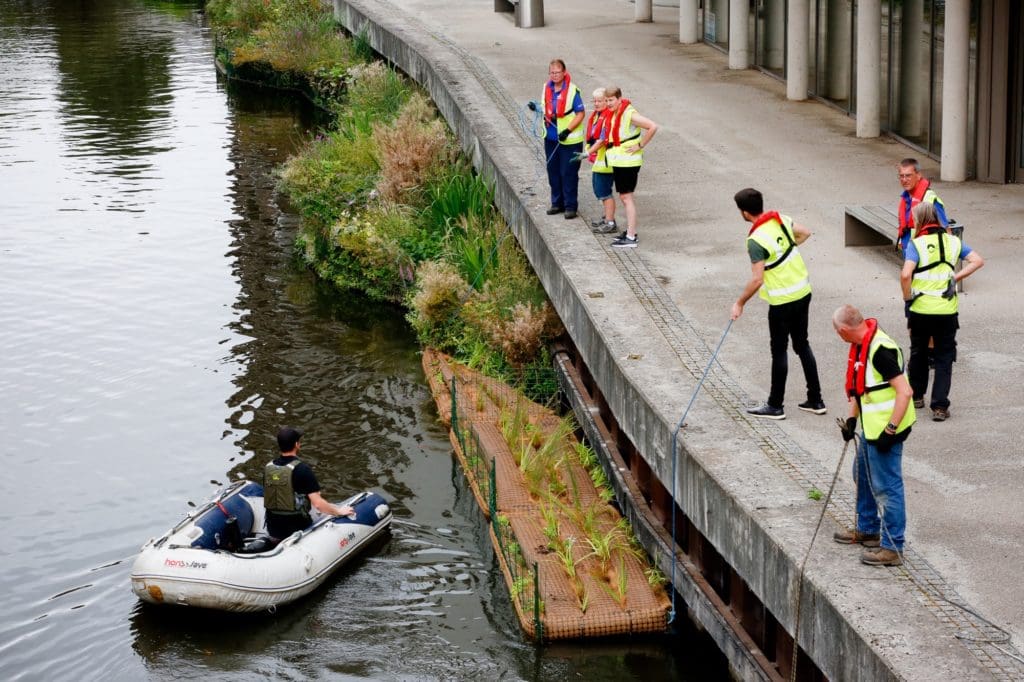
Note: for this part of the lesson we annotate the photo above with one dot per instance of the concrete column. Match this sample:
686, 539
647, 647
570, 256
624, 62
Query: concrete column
869, 57
914, 75
956, 52
739, 47
837, 43
643, 11
796, 71
689, 29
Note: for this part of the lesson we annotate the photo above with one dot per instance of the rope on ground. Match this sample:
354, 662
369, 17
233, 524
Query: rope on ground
803, 565
1002, 638
675, 452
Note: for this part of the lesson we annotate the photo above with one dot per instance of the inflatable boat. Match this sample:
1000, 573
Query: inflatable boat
219, 556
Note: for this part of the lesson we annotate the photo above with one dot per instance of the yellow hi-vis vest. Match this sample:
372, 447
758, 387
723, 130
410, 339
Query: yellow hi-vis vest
879, 398
562, 122
629, 137
937, 254
601, 161
785, 275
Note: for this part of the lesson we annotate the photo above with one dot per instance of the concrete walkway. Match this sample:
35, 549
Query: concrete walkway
723, 130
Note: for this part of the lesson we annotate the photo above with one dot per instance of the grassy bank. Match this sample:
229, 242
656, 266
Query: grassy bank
389, 206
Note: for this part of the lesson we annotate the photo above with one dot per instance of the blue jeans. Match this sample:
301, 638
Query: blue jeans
563, 173
602, 183
880, 501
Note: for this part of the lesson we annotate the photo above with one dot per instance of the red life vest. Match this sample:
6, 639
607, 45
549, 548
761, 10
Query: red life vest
617, 121
552, 110
598, 123
764, 218
930, 228
905, 215
857, 363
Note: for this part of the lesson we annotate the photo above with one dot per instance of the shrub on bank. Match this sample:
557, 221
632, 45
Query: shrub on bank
389, 207
290, 35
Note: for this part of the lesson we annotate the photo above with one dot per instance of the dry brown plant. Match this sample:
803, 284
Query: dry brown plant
520, 336
440, 294
411, 149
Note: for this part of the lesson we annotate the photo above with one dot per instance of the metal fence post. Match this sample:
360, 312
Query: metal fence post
538, 626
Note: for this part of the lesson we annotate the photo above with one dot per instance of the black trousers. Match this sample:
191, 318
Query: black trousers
785, 321
942, 328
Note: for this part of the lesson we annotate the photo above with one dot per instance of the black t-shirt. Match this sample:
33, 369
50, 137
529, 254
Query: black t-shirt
303, 483
887, 364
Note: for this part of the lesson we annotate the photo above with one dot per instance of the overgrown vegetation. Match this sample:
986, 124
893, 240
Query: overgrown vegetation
389, 207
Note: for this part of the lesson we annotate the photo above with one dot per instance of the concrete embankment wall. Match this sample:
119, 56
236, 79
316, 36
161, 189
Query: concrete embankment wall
758, 519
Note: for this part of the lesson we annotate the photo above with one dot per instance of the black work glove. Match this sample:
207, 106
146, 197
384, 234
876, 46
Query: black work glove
562, 135
531, 105
950, 292
885, 441
848, 427
906, 308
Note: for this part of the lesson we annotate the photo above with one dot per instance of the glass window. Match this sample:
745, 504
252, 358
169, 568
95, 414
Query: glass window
832, 57
913, 34
769, 24
716, 23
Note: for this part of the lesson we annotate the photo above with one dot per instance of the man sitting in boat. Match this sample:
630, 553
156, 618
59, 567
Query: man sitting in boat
290, 490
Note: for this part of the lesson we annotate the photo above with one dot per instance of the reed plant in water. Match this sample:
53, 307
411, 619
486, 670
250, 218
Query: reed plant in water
551, 525
602, 544
564, 553
621, 581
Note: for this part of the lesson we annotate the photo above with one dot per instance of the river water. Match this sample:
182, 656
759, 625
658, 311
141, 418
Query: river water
156, 332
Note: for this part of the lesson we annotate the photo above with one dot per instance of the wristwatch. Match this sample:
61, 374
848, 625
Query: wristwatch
890, 427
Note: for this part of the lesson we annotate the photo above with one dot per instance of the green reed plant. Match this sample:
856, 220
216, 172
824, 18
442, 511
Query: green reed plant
461, 193
378, 90
473, 251
584, 455
565, 557
602, 544
551, 524
556, 441
621, 580
655, 578
361, 46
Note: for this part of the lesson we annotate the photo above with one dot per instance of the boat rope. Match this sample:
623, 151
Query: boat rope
675, 456
531, 123
1002, 638
803, 565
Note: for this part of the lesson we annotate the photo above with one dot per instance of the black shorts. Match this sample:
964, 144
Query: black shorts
625, 178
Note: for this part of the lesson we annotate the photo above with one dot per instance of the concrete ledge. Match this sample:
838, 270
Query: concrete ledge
857, 623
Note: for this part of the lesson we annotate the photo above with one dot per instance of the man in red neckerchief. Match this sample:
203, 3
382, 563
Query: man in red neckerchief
916, 188
879, 395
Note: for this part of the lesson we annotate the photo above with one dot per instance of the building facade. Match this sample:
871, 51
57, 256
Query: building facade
944, 76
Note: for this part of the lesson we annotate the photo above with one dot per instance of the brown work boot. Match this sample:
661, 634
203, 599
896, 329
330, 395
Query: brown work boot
851, 536
881, 557
940, 414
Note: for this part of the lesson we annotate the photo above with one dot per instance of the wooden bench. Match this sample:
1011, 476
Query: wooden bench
880, 226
